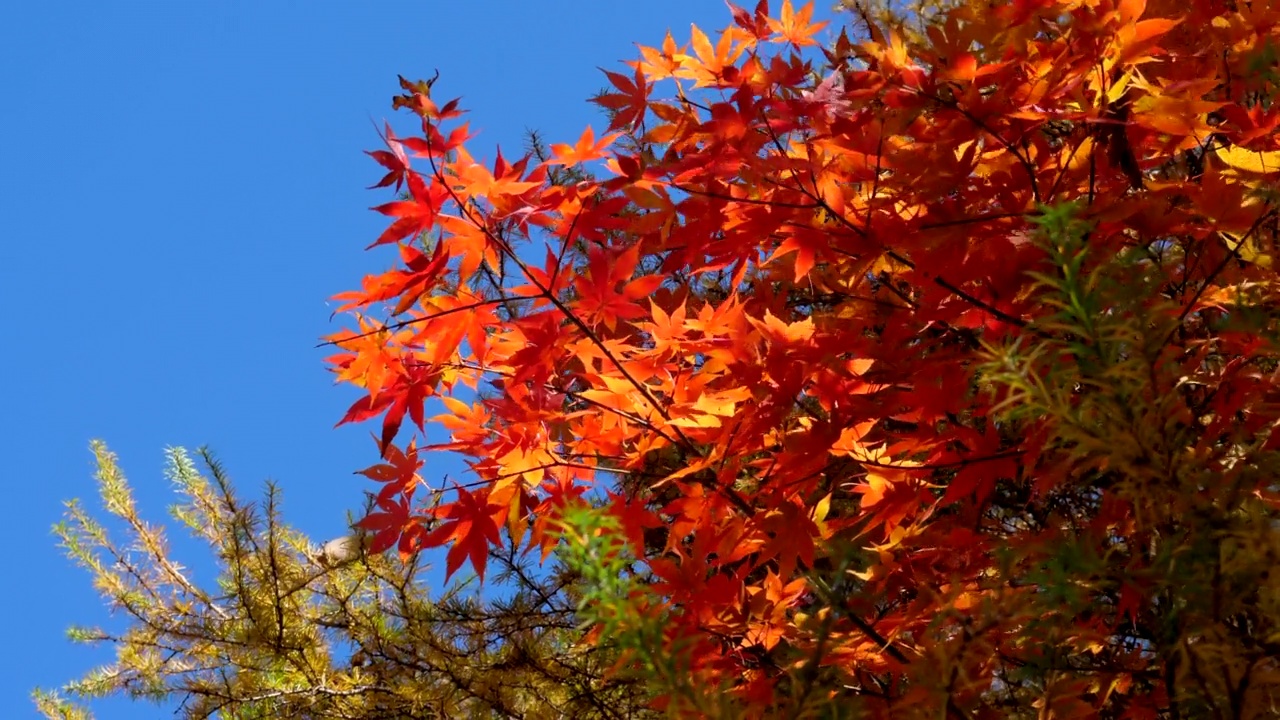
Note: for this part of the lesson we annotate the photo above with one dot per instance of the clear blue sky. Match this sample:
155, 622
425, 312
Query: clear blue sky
181, 190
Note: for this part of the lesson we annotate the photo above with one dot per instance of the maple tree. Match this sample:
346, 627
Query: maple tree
927, 373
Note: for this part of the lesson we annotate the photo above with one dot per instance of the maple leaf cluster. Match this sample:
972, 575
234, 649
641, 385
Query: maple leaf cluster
807, 321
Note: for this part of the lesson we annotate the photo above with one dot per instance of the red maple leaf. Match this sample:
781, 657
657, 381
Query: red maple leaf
414, 215
470, 526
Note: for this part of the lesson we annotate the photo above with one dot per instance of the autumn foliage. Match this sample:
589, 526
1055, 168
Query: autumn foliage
925, 377
285, 628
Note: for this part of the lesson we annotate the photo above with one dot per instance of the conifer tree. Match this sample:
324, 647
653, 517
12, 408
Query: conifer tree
291, 629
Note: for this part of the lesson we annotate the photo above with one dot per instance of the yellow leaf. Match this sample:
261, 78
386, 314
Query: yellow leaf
1118, 88
715, 404
1079, 157
1256, 161
819, 514
1249, 249
696, 421
885, 262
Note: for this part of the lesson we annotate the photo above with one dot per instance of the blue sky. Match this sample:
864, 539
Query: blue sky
181, 190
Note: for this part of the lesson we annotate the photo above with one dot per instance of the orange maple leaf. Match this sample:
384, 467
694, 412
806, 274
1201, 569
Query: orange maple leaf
586, 150
794, 26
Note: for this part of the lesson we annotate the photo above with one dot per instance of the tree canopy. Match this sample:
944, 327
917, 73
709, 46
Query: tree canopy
944, 361
874, 371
